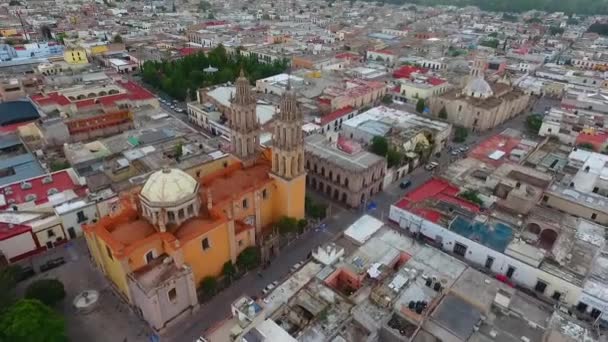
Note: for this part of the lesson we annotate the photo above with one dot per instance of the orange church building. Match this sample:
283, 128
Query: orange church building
176, 230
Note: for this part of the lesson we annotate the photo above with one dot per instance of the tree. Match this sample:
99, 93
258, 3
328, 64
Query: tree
8, 282
314, 210
287, 225
534, 122
586, 146
14, 3
443, 113
460, 134
248, 259
420, 105
572, 21
208, 286
387, 99
30, 320
179, 151
302, 223
394, 158
379, 146
57, 165
493, 34
228, 270
491, 43
471, 196
48, 291
117, 39
210, 16
556, 30
204, 6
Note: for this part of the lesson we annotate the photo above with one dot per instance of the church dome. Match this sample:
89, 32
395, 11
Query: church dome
169, 186
478, 87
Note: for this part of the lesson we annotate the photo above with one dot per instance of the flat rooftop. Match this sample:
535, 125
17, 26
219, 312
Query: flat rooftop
318, 145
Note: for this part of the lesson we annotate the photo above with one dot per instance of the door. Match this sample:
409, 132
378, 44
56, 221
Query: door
72, 233
510, 271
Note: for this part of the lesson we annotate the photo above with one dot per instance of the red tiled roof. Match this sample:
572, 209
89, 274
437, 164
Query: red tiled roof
438, 189
51, 98
597, 140
499, 142
188, 51
62, 180
336, 115
384, 52
347, 55
406, 71
435, 81
136, 92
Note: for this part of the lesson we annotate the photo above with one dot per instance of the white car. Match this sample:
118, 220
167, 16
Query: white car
431, 166
296, 266
202, 339
268, 288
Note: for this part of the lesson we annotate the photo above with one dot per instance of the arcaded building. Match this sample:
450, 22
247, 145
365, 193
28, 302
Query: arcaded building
480, 105
342, 170
177, 229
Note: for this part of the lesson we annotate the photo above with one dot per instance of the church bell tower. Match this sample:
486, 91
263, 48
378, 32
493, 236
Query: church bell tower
288, 157
244, 125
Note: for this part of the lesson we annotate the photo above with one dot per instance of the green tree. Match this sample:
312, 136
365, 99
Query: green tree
208, 286
555, 30
179, 150
117, 39
387, 99
8, 282
586, 146
302, 223
287, 225
204, 6
32, 321
443, 113
379, 146
420, 105
210, 16
14, 3
314, 210
493, 34
572, 21
471, 196
491, 43
57, 165
48, 291
228, 270
394, 158
534, 122
248, 259
460, 134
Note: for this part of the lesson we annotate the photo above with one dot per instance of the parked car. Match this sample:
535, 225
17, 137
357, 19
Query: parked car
53, 263
202, 339
405, 184
296, 266
430, 166
269, 287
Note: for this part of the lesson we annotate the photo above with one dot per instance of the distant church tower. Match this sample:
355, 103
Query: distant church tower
478, 68
245, 128
288, 140
288, 158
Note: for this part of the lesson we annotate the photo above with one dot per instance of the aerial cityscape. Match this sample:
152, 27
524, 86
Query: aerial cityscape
282, 171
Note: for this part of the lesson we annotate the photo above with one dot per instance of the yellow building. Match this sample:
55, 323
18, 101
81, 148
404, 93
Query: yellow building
75, 56
180, 228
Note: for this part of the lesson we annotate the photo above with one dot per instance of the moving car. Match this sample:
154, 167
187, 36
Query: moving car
405, 184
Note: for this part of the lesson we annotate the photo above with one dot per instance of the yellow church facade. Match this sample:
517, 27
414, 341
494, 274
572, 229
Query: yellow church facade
182, 227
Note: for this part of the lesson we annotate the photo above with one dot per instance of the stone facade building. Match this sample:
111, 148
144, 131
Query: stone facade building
480, 106
351, 178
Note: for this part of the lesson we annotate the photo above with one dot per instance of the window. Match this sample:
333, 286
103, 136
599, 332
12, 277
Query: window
172, 294
556, 295
206, 244
50, 233
245, 203
595, 313
81, 217
545, 198
510, 271
489, 262
460, 249
240, 243
149, 256
264, 194
581, 307
109, 252
540, 286
593, 216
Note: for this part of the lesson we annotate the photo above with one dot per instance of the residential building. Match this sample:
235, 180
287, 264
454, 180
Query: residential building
354, 93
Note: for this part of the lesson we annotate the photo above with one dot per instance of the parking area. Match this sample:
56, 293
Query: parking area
111, 320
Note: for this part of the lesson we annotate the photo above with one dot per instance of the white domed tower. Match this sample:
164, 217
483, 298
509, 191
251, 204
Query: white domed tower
169, 197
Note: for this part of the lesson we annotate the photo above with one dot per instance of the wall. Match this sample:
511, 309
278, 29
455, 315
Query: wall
288, 197
524, 274
70, 219
18, 245
574, 208
114, 269
207, 168
208, 262
57, 235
